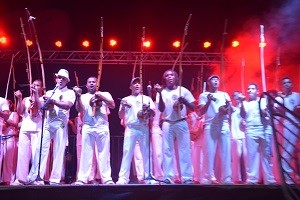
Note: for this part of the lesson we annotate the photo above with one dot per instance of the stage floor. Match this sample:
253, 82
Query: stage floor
145, 192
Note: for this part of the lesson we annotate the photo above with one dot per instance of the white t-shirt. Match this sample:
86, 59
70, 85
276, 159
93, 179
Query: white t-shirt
290, 102
101, 115
212, 113
3, 106
252, 110
33, 124
60, 114
170, 97
136, 103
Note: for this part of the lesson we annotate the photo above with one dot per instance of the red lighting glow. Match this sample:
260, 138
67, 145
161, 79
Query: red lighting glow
58, 44
206, 44
29, 43
176, 44
3, 40
112, 42
86, 43
147, 44
235, 43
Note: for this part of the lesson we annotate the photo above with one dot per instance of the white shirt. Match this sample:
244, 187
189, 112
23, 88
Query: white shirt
136, 103
170, 97
212, 112
101, 115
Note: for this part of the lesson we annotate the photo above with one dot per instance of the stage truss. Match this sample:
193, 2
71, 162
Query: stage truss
114, 57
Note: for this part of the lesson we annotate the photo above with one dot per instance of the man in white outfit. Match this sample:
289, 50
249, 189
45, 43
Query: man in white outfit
258, 137
30, 129
135, 111
95, 107
215, 106
238, 141
290, 100
57, 105
173, 102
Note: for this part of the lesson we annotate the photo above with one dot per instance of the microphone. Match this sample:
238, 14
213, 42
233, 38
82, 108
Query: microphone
44, 107
56, 86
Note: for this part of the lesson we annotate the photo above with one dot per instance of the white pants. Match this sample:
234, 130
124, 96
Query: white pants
95, 139
178, 131
59, 134
239, 159
259, 151
217, 136
7, 159
27, 146
131, 136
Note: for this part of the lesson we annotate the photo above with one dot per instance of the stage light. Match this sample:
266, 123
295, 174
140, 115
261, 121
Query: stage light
206, 44
235, 43
176, 44
86, 43
112, 43
3, 40
147, 44
262, 44
58, 44
29, 43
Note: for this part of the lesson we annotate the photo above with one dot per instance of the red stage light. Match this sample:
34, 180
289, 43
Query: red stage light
3, 40
206, 44
147, 44
29, 43
112, 42
58, 44
86, 43
235, 43
176, 44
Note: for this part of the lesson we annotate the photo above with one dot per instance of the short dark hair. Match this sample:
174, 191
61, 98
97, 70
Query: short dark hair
256, 86
175, 74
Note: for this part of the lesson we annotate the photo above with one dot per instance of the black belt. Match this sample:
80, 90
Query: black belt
179, 120
5, 137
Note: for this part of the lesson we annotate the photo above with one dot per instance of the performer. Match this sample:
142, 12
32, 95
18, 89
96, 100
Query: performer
195, 123
291, 100
156, 139
77, 129
173, 102
4, 115
238, 141
30, 129
8, 145
4, 112
57, 102
215, 106
135, 111
95, 131
258, 137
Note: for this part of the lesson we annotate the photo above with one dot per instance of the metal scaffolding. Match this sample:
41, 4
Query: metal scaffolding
113, 57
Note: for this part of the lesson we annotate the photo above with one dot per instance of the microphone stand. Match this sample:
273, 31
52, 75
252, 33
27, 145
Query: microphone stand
43, 108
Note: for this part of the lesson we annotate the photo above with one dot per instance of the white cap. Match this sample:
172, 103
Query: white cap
63, 73
213, 76
135, 79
